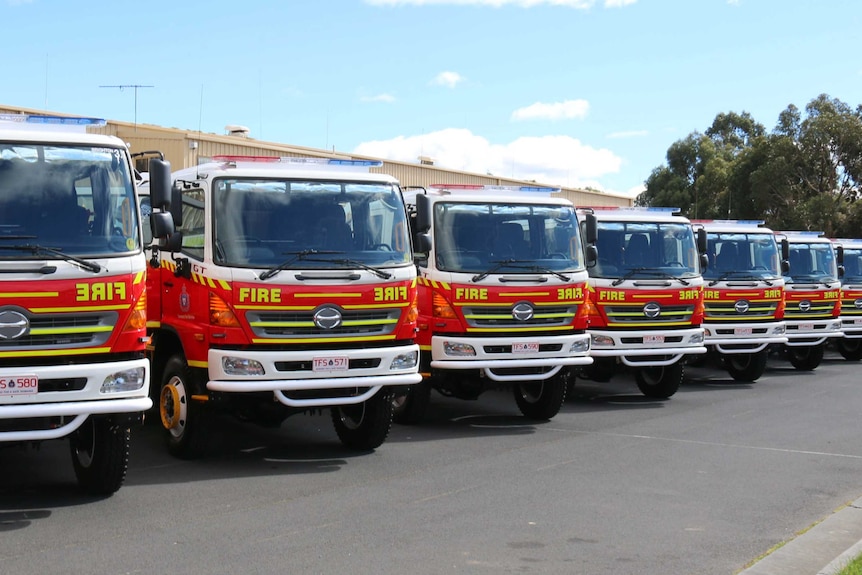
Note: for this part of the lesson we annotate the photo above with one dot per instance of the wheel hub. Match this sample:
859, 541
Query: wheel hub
169, 407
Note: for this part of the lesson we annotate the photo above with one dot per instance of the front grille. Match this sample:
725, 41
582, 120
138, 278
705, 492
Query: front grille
299, 394
639, 340
727, 310
279, 324
501, 316
63, 331
630, 314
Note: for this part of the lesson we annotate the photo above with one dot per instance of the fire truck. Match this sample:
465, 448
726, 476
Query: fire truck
812, 297
850, 345
72, 292
502, 288
744, 294
646, 294
289, 287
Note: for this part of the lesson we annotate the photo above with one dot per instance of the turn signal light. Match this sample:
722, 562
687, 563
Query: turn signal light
138, 319
220, 314
441, 307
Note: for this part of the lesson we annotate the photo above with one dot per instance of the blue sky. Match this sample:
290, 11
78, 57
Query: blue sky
568, 92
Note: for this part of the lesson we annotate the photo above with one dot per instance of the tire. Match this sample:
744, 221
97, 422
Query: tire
409, 408
100, 455
660, 382
746, 366
364, 426
850, 349
181, 417
541, 400
805, 358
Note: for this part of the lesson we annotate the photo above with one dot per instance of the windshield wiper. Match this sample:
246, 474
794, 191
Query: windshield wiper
653, 272
497, 265
739, 275
297, 256
36, 249
303, 255
630, 274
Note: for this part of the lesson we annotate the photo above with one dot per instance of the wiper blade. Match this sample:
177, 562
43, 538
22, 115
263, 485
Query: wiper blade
628, 275
497, 265
730, 273
297, 256
36, 249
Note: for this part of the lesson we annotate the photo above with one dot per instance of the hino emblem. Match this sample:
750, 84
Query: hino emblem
13, 324
858, 304
805, 305
741, 306
327, 317
522, 311
652, 310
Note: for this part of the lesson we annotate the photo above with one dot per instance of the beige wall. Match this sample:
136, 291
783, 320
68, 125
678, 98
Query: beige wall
184, 149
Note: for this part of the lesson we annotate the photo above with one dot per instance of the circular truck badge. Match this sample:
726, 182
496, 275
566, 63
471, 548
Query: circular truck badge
523, 311
652, 310
13, 324
327, 317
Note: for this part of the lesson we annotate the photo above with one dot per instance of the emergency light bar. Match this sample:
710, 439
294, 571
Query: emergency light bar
739, 222
633, 209
495, 188
291, 160
47, 122
803, 233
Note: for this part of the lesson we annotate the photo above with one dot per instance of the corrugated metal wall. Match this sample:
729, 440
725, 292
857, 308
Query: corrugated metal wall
186, 148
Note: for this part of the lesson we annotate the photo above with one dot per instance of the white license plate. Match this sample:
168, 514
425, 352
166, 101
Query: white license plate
857, 321
653, 339
806, 327
742, 331
330, 364
19, 385
525, 347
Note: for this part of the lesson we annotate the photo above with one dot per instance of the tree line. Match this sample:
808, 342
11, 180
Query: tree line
803, 175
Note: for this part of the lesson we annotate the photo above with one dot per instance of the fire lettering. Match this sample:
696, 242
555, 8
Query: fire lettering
570, 293
260, 295
608, 295
471, 293
100, 291
392, 293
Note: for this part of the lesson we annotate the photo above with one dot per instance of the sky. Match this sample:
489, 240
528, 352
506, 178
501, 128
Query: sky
577, 93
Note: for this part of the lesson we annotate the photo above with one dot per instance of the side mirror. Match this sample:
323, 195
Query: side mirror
785, 267
176, 205
422, 243
704, 261
172, 243
423, 214
785, 249
840, 271
161, 224
839, 254
591, 231
591, 254
701, 241
160, 183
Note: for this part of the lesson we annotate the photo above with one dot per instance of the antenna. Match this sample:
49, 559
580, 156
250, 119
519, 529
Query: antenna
135, 86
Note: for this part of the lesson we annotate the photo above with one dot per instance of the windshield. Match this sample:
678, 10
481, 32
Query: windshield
738, 256
77, 200
473, 238
644, 250
261, 223
812, 262
853, 265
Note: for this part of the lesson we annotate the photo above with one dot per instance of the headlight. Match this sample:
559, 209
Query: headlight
696, 338
580, 346
458, 349
126, 380
242, 366
601, 340
835, 326
779, 330
405, 360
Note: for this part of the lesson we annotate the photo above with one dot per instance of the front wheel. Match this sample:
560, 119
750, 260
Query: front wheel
409, 407
660, 382
850, 349
364, 426
100, 455
805, 358
180, 416
541, 400
746, 366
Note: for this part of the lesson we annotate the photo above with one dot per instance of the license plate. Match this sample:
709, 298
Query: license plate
806, 327
742, 331
330, 364
525, 347
19, 385
857, 321
653, 339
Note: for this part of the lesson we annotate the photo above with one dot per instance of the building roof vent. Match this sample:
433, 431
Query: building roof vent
426, 160
237, 130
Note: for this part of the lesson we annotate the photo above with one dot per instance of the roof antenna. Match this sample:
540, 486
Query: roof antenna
135, 86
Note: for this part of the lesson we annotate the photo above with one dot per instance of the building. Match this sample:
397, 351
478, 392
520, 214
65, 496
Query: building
186, 148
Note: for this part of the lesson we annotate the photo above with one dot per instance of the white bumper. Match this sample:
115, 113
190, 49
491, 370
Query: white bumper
608, 343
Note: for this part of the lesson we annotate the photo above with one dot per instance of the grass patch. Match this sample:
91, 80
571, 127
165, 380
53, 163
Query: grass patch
854, 567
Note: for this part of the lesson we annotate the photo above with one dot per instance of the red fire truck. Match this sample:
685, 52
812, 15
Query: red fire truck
646, 294
72, 292
850, 345
744, 294
502, 287
289, 287
812, 297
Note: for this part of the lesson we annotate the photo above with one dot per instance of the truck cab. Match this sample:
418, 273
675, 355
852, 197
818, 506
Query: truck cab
502, 288
288, 288
850, 344
646, 295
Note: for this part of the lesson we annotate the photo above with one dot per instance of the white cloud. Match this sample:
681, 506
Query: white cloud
385, 98
627, 134
577, 4
555, 111
448, 79
558, 160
